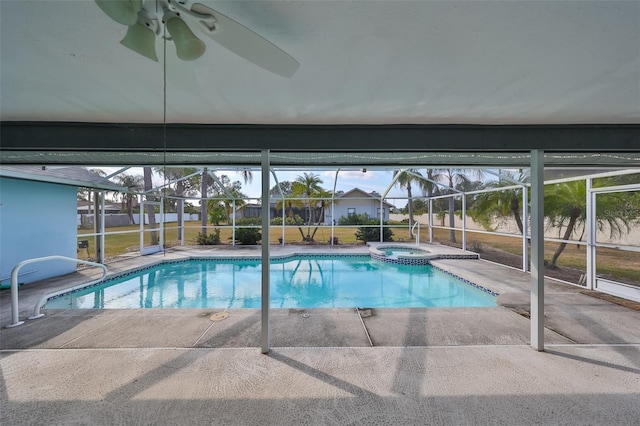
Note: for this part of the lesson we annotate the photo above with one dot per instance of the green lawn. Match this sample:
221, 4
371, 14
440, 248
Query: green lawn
612, 262
616, 263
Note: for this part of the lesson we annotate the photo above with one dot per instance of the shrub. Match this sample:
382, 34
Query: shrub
355, 219
249, 221
208, 240
217, 215
289, 221
367, 233
247, 236
373, 234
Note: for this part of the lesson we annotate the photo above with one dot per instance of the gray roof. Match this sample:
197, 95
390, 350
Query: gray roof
363, 195
63, 175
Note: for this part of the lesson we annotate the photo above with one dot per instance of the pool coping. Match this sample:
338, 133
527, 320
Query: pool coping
110, 277
566, 311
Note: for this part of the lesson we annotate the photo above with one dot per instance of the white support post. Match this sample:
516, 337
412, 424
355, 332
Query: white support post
264, 311
591, 236
333, 219
464, 222
181, 223
525, 230
381, 214
161, 224
233, 224
333, 202
430, 220
102, 226
97, 222
537, 250
141, 203
95, 206
283, 221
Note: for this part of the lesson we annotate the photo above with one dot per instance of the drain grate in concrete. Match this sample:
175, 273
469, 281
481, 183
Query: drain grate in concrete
219, 316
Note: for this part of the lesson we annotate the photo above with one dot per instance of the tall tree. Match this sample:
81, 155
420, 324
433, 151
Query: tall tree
430, 185
404, 181
565, 206
324, 199
151, 210
288, 203
85, 193
207, 182
134, 184
491, 207
455, 178
308, 185
183, 186
227, 195
285, 187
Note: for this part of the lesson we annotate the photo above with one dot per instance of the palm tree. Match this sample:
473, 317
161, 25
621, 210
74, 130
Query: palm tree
207, 181
282, 188
430, 186
490, 207
454, 178
324, 201
288, 203
85, 193
308, 186
133, 184
565, 206
228, 201
148, 185
405, 178
183, 186
247, 175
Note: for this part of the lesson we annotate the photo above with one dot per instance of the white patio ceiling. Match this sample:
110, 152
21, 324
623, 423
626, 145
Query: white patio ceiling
361, 62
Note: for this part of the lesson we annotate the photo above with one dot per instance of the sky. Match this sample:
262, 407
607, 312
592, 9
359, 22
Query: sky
347, 179
371, 180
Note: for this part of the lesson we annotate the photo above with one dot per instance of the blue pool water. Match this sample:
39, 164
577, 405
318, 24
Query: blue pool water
395, 251
297, 282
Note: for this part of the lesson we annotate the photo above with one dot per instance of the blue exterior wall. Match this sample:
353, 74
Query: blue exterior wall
36, 219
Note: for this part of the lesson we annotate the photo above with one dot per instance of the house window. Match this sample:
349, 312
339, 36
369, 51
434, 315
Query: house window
351, 211
378, 213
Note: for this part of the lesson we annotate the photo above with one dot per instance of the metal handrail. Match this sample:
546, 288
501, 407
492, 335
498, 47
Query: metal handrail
416, 234
36, 312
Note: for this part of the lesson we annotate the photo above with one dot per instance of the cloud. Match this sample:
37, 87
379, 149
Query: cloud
350, 174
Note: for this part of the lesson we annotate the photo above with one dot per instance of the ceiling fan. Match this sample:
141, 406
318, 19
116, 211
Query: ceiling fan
174, 19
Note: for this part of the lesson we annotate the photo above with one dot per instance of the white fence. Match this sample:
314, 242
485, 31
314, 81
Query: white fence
121, 219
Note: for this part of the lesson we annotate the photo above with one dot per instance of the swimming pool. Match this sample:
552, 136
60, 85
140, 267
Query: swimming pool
296, 282
395, 251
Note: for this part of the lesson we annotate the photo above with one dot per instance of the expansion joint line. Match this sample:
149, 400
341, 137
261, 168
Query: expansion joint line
195, 344
364, 327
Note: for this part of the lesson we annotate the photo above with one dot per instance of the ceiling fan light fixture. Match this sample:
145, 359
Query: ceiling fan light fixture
188, 46
142, 40
124, 12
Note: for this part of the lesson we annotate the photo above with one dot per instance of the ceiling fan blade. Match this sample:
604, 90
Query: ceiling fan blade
242, 41
124, 12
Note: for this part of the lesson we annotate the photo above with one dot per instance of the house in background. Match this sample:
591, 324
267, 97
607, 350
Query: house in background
87, 207
355, 202
38, 217
254, 210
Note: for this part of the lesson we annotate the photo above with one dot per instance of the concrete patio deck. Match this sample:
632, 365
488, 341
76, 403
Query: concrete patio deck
426, 366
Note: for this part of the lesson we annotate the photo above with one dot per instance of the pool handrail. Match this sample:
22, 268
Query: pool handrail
416, 234
36, 311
